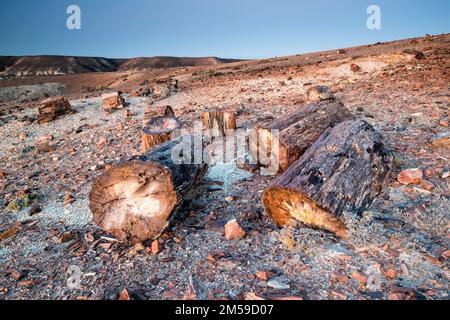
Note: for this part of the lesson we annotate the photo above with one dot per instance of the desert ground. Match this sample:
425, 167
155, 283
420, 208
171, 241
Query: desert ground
51, 249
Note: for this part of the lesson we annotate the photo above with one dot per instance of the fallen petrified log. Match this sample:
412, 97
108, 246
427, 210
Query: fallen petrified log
342, 172
112, 101
219, 123
52, 108
136, 200
297, 131
157, 131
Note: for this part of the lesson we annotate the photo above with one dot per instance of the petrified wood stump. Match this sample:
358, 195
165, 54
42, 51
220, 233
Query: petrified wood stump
157, 131
159, 111
136, 200
52, 108
112, 101
342, 172
219, 123
298, 130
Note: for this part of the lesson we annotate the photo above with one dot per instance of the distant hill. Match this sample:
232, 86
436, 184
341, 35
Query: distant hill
61, 65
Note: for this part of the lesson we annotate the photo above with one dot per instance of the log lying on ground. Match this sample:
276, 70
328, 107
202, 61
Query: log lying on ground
52, 108
298, 130
159, 111
135, 201
342, 172
112, 101
219, 123
157, 131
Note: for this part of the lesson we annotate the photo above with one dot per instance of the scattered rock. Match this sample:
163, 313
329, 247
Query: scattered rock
410, 176
277, 284
319, 93
441, 140
124, 295
68, 199
359, 277
156, 247
11, 232
354, 67
233, 230
43, 148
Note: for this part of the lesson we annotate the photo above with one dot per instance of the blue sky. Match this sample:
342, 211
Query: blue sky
224, 28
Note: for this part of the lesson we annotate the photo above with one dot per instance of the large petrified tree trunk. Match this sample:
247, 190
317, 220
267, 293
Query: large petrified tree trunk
157, 131
136, 200
297, 131
219, 123
342, 172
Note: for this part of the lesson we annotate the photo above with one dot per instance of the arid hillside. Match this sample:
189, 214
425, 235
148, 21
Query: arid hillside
29, 66
398, 249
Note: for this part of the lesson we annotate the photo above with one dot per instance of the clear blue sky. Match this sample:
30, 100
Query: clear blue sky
224, 28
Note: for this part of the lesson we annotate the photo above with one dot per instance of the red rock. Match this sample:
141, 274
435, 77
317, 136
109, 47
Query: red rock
2, 175
441, 140
359, 277
156, 248
426, 185
410, 176
124, 295
68, 199
262, 275
354, 67
445, 254
392, 252
397, 296
43, 147
233, 230
390, 273
443, 123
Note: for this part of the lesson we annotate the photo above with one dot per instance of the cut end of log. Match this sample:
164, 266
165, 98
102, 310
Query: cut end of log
286, 207
159, 125
133, 201
157, 131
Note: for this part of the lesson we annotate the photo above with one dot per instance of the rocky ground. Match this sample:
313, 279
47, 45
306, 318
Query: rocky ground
50, 249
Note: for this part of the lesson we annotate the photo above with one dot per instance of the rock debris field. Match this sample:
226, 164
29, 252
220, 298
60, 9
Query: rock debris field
51, 249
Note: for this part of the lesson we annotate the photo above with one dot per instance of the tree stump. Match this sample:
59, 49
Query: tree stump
112, 101
157, 131
344, 171
298, 130
159, 111
136, 200
219, 123
52, 108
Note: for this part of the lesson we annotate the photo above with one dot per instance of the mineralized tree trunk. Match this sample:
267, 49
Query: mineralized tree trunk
294, 133
136, 200
219, 123
157, 131
344, 171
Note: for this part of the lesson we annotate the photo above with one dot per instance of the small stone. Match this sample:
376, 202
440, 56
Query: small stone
102, 142
233, 230
68, 199
45, 139
319, 93
17, 275
354, 67
426, 185
391, 273
359, 277
410, 176
43, 147
441, 140
444, 123
124, 295
445, 254
66, 237
277, 284
262, 275
22, 136
2, 175
445, 175
156, 247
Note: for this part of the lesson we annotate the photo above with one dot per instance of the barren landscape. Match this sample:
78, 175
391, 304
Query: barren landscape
50, 248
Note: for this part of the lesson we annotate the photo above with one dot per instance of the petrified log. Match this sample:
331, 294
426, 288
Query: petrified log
219, 123
112, 101
159, 111
136, 200
52, 108
157, 131
342, 172
297, 131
